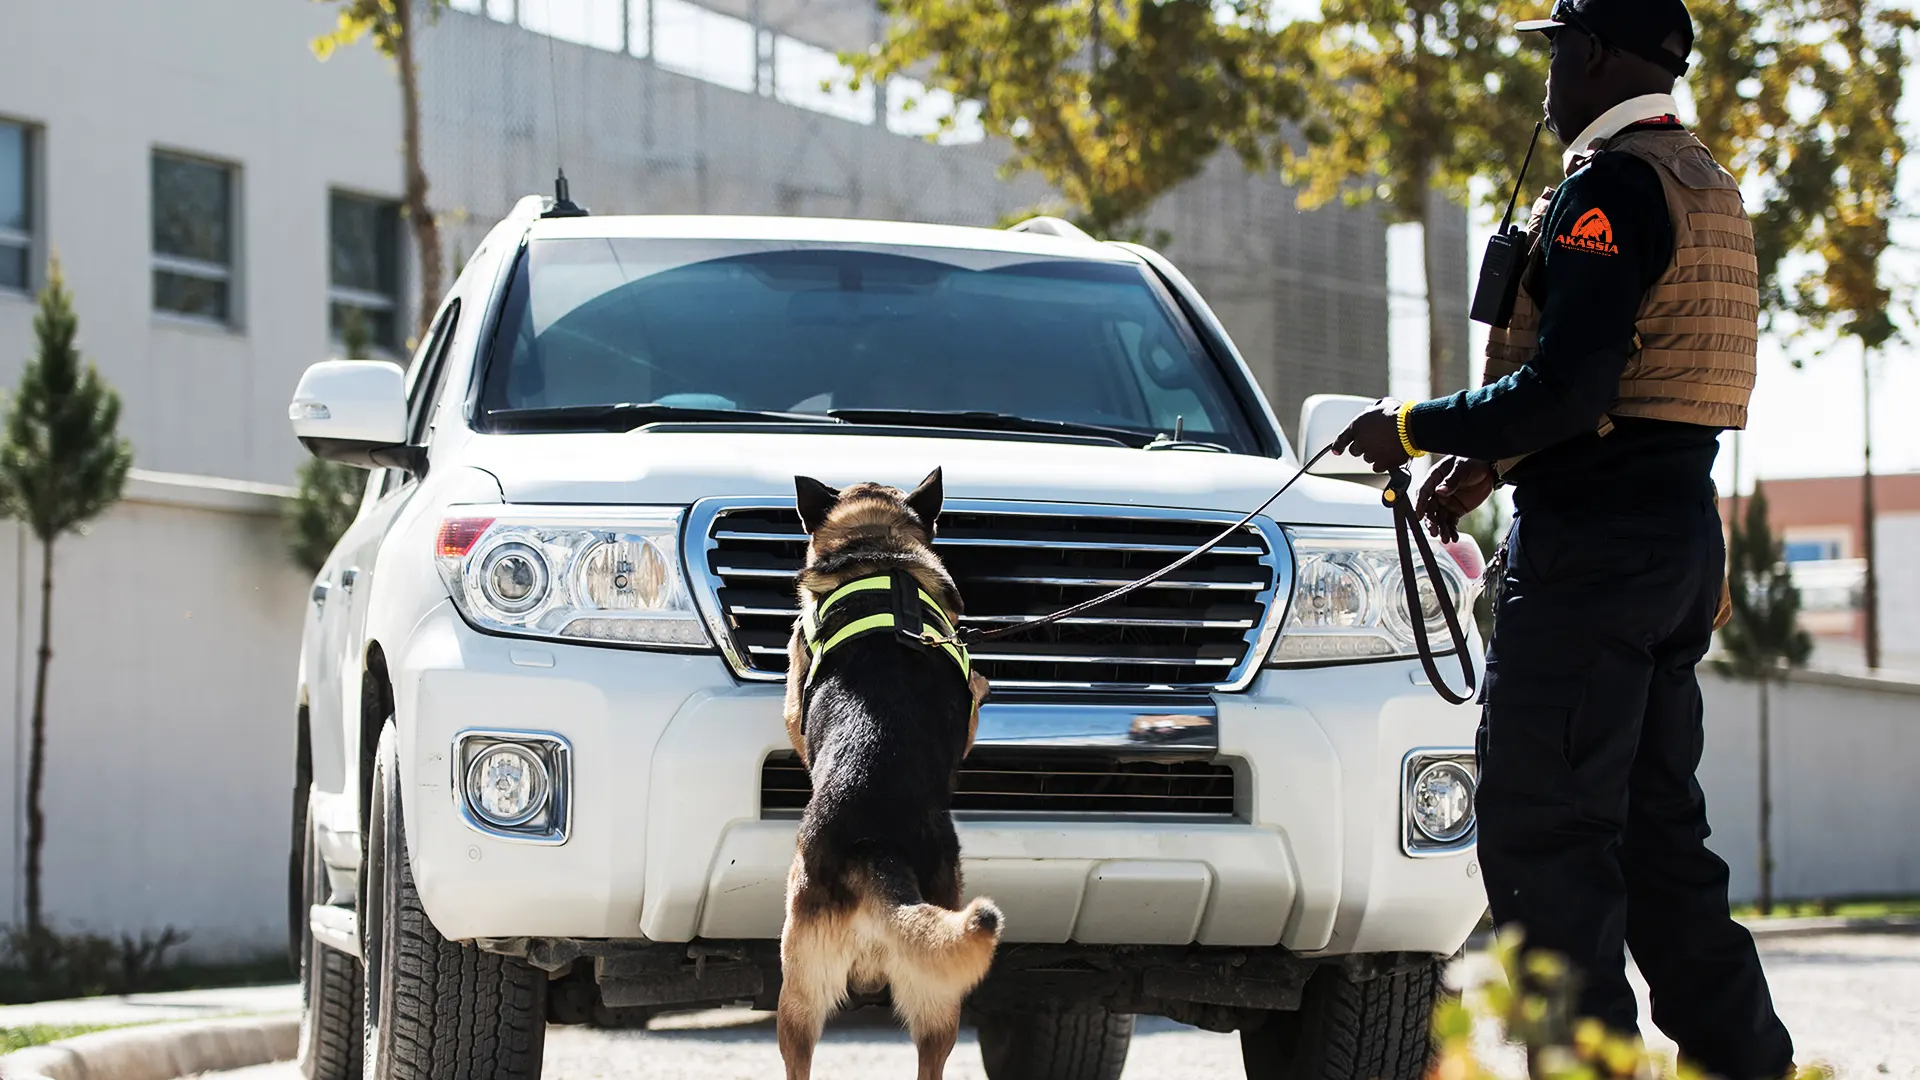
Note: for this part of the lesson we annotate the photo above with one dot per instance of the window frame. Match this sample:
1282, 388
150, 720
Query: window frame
33, 177
362, 298
201, 269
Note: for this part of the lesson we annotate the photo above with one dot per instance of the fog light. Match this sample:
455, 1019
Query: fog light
508, 785
1440, 802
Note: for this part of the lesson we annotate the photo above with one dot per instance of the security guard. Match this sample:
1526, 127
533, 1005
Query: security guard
1630, 349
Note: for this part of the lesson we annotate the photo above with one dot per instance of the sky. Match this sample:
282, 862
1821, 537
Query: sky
1803, 422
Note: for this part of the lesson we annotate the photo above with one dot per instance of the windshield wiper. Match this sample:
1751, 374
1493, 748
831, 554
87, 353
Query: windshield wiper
988, 421
627, 415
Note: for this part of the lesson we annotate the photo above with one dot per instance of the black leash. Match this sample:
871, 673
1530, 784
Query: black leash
1405, 524
969, 636
1395, 497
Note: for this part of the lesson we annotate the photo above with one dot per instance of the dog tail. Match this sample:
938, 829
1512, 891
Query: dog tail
964, 938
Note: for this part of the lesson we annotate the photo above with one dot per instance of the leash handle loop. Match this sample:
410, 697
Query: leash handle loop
1396, 496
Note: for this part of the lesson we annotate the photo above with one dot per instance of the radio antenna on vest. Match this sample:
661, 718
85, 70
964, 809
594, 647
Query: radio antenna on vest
1506, 222
1500, 268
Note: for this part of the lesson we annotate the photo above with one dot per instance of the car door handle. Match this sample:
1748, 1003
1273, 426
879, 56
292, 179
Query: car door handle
348, 577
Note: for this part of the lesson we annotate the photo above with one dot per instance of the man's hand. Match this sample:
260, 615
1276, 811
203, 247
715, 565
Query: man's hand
1454, 486
1375, 436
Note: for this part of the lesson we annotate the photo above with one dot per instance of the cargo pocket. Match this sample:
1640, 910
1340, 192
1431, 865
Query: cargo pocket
1527, 740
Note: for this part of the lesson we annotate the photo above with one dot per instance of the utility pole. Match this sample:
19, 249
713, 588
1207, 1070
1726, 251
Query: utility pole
1870, 598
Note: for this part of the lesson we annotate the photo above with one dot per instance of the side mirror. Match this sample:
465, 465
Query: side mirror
1322, 418
354, 412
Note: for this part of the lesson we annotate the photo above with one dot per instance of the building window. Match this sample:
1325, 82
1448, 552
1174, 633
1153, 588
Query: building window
16, 206
193, 232
1811, 550
364, 275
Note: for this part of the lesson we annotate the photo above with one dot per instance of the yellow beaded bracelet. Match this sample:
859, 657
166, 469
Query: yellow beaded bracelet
1400, 425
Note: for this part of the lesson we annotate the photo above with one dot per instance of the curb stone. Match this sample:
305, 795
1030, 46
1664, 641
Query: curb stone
159, 1052
1810, 926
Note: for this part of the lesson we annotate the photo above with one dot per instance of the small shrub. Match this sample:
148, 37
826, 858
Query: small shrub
1530, 1004
45, 963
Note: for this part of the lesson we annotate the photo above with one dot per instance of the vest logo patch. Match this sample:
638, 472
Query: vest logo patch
1592, 233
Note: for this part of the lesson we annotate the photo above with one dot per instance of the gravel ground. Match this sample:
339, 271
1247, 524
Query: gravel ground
1852, 1001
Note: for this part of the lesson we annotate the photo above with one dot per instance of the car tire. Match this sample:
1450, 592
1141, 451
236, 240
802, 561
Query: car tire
330, 1042
1082, 1041
1378, 1029
435, 1009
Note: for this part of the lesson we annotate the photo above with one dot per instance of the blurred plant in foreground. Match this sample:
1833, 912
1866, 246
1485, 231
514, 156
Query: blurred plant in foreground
1526, 999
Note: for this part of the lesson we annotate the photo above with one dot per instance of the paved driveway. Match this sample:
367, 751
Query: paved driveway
1851, 1000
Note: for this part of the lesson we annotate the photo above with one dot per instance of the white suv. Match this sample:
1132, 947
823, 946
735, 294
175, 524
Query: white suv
543, 775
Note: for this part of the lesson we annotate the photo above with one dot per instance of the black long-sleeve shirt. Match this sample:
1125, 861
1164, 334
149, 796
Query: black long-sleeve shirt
1551, 408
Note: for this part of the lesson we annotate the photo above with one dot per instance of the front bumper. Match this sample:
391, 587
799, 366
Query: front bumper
667, 841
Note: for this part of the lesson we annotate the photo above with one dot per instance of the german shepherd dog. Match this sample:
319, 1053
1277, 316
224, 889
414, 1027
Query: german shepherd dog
873, 898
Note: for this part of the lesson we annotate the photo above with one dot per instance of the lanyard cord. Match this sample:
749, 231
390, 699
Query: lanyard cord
1405, 526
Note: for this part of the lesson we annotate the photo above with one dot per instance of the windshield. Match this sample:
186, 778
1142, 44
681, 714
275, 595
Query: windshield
819, 328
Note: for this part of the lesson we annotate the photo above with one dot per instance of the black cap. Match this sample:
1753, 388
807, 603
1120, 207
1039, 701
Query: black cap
1640, 27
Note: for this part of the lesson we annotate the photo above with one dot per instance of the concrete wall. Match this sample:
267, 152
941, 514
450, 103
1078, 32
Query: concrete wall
176, 636
232, 80
1845, 754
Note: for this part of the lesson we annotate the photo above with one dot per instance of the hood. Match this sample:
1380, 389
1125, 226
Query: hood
681, 467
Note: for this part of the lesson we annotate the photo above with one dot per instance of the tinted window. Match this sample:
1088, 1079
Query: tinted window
16, 206
805, 327
192, 237
364, 265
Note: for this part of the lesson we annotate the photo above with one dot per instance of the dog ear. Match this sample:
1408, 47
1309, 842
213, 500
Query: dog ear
815, 500
925, 499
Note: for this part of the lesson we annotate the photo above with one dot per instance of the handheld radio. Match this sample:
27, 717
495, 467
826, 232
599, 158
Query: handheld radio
1500, 270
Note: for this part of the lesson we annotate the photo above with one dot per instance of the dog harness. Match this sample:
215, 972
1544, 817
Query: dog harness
881, 604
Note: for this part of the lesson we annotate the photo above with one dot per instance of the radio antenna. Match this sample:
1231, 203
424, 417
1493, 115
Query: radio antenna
1506, 222
563, 204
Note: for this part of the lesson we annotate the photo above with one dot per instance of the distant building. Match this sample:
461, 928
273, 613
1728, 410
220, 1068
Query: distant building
1818, 520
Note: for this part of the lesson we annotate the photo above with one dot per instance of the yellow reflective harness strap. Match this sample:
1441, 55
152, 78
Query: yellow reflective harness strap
879, 621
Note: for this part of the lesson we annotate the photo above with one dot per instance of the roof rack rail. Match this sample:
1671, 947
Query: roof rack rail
1051, 226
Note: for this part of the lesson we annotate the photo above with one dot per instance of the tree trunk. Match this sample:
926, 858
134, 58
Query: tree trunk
1766, 802
1439, 342
36, 769
426, 231
1870, 599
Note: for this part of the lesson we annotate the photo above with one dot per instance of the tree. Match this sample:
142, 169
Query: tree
62, 463
1113, 104
1416, 97
1762, 638
392, 23
328, 494
1848, 149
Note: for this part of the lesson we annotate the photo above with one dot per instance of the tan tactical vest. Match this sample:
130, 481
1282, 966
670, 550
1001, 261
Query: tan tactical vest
1698, 327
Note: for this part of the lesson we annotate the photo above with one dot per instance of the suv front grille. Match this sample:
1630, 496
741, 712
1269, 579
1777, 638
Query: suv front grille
1197, 629
1003, 782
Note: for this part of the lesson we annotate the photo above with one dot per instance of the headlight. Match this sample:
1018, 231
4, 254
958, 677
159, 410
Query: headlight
1349, 602
1436, 801
507, 784
605, 574
1440, 802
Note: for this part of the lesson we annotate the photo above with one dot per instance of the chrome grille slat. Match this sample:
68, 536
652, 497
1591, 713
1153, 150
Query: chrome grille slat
1204, 627
1001, 542
1012, 781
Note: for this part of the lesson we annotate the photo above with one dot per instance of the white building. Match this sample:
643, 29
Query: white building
213, 193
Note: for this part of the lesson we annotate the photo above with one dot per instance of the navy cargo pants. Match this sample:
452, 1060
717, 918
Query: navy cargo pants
1592, 826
